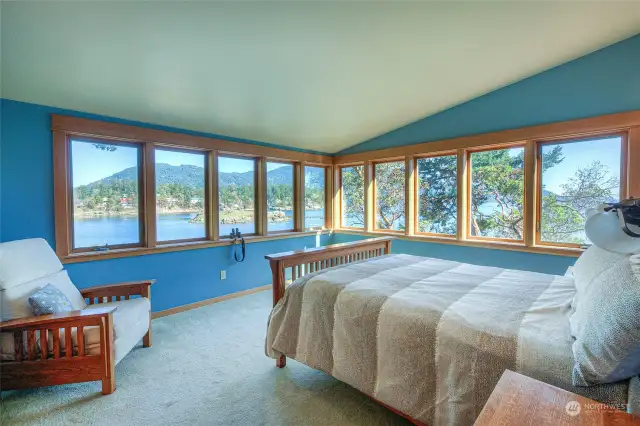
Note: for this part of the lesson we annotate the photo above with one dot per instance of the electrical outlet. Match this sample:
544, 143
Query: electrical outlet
223, 275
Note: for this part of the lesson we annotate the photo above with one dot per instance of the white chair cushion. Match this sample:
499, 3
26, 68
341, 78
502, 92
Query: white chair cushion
15, 300
128, 313
130, 324
26, 260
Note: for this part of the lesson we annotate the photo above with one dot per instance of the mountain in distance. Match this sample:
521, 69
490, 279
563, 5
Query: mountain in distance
193, 176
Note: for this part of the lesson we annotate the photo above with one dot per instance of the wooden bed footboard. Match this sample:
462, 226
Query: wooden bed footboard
302, 262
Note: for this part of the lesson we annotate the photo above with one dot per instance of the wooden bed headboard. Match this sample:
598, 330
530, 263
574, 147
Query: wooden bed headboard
310, 260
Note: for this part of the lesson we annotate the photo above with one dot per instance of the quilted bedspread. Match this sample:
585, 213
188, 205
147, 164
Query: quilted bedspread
430, 337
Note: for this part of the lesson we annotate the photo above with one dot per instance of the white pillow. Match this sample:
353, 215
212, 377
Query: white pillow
15, 300
635, 265
607, 346
589, 265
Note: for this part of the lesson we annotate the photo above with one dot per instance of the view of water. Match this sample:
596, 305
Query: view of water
92, 232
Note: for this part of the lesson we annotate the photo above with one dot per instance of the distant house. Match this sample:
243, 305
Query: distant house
196, 200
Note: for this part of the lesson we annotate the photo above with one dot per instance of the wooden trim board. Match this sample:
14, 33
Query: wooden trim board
582, 127
206, 302
85, 126
488, 244
190, 245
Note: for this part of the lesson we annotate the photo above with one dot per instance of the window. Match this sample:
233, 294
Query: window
389, 184
314, 197
497, 194
437, 192
279, 197
237, 193
352, 206
576, 176
180, 195
105, 178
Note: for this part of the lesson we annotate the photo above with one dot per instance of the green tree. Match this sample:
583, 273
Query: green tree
497, 196
564, 215
353, 196
437, 194
390, 195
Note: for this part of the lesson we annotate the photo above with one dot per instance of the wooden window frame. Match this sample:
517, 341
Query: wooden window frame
374, 207
295, 192
624, 154
66, 128
327, 196
256, 207
626, 124
206, 201
416, 192
141, 161
469, 179
340, 197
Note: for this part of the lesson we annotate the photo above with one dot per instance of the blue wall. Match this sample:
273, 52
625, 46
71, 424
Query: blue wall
26, 211
544, 263
604, 82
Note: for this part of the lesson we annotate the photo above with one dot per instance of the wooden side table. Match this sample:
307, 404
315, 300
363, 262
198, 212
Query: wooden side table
521, 400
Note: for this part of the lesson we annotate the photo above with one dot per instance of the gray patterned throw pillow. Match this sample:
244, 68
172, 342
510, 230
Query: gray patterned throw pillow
49, 300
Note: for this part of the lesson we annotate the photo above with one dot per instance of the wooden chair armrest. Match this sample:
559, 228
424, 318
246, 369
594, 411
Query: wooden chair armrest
59, 320
137, 288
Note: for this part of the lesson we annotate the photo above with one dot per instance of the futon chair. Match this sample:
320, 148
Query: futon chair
68, 347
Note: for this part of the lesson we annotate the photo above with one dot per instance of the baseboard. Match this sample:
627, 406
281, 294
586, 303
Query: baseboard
206, 302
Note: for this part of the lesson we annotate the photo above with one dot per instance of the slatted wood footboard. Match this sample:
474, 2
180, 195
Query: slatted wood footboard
301, 262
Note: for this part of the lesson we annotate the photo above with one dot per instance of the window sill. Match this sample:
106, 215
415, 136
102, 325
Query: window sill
494, 245
171, 247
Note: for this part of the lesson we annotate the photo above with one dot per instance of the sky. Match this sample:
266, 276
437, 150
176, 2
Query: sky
91, 164
581, 155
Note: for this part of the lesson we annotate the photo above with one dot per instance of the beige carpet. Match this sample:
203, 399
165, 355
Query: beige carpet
206, 367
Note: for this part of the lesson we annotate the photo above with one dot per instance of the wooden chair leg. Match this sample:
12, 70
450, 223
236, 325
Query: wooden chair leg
281, 361
108, 351
108, 385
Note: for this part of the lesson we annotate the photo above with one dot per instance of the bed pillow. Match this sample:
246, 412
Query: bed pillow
635, 265
607, 345
589, 265
49, 300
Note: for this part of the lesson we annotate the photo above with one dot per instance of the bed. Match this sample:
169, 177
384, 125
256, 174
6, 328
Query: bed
428, 338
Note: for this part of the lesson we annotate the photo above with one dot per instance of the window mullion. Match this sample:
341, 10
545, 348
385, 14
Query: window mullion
212, 195
369, 197
261, 196
530, 194
632, 157
329, 210
148, 188
337, 198
410, 195
463, 194
298, 197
